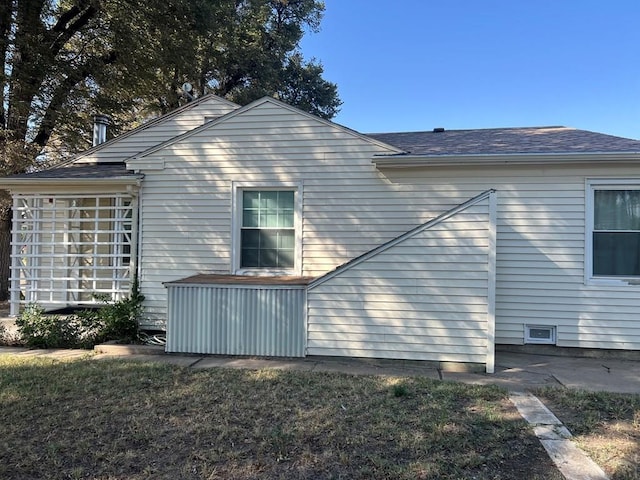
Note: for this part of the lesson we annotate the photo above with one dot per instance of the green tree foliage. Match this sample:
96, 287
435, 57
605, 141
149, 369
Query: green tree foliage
64, 60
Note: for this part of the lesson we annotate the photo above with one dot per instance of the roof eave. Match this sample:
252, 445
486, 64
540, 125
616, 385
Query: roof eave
10, 183
409, 160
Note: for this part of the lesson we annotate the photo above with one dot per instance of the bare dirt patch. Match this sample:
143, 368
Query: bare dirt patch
4, 309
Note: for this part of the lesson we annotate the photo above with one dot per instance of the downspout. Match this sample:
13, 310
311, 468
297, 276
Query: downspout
491, 287
134, 264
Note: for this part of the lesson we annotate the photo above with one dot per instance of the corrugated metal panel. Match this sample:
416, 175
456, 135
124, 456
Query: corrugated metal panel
236, 320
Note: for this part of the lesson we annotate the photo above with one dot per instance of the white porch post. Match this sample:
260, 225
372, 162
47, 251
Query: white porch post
133, 262
491, 293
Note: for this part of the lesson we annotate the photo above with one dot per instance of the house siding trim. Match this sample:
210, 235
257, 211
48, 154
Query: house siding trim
491, 273
592, 184
236, 220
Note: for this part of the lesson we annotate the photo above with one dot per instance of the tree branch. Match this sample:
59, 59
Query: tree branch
61, 94
6, 15
65, 17
83, 12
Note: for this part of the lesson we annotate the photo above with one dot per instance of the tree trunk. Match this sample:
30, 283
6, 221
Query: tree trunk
5, 252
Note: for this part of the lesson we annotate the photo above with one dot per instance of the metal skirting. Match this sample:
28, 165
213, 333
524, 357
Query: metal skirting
236, 320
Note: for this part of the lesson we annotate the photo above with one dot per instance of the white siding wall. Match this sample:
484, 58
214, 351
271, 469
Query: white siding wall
425, 298
186, 207
349, 207
540, 253
156, 133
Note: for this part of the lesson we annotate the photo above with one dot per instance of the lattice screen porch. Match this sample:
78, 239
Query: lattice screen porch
66, 248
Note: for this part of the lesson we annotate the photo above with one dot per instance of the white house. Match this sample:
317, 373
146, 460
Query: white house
264, 230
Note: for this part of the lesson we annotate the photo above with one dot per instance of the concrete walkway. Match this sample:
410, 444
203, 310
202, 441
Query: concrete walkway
519, 372
573, 463
515, 371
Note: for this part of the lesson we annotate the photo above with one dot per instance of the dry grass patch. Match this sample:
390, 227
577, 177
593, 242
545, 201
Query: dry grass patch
124, 420
605, 425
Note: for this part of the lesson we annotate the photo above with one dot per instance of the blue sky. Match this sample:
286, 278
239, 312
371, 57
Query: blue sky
418, 64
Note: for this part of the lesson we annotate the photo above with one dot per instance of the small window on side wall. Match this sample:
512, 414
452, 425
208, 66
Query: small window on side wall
613, 232
267, 232
540, 334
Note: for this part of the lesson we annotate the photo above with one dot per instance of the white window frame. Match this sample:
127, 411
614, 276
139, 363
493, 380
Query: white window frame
528, 339
236, 226
593, 184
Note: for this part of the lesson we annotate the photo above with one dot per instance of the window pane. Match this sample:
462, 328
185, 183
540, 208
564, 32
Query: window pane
251, 218
267, 248
250, 199
617, 210
269, 219
285, 218
269, 258
269, 200
286, 258
267, 234
250, 257
285, 199
268, 239
616, 254
286, 239
250, 238
268, 209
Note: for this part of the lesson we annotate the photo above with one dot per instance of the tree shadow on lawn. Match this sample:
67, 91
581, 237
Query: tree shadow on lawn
117, 419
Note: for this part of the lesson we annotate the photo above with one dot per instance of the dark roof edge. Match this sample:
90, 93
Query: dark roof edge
119, 180
415, 160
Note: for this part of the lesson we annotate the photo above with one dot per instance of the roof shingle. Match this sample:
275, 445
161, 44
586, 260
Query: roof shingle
500, 141
82, 172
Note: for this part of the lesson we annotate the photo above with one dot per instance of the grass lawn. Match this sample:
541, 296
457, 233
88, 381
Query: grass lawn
605, 425
113, 419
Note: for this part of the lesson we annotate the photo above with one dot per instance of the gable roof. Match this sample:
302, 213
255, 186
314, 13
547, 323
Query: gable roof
497, 146
146, 140
257, 103
501, 141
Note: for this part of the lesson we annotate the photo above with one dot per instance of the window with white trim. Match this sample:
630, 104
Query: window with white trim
540, 334
267, 230
613, 230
